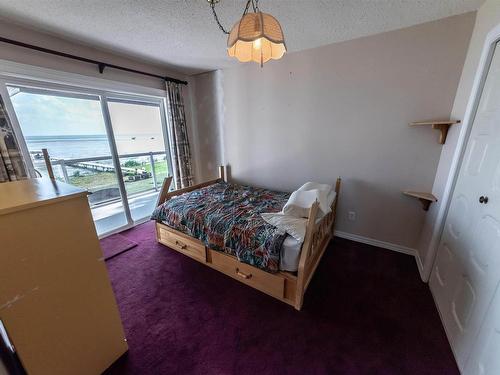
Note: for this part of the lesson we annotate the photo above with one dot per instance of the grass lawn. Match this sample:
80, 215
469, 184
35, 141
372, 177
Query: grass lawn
101, 180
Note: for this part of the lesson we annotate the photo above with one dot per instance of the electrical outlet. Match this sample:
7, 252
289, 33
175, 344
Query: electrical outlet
352, 216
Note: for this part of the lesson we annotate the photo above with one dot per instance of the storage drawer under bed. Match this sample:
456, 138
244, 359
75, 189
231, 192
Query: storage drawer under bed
182, 243
277, 285
272, 284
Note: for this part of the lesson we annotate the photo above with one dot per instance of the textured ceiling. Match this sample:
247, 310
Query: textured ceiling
182, 34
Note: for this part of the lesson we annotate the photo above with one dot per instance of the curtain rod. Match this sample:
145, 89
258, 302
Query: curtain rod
101, 65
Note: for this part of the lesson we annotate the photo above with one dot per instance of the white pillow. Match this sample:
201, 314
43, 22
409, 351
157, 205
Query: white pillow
300, 202
315, 185
294, 226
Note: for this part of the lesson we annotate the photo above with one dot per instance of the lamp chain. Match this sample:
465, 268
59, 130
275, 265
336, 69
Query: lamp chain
212, 5
255, 7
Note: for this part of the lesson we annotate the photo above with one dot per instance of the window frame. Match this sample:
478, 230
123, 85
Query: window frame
41, 79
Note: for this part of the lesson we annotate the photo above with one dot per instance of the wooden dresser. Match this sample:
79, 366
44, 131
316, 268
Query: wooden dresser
56, 301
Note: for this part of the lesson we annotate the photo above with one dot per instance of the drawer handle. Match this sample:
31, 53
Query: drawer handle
243, 275
182, 245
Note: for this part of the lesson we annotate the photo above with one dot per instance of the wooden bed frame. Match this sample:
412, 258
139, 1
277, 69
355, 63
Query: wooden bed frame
286, 286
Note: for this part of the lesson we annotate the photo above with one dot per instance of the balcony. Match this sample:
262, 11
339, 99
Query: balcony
143, 174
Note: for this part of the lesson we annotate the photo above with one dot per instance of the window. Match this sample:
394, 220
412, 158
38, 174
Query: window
114, 145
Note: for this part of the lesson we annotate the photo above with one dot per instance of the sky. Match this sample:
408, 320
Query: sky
136, 127
46, 115
41, 115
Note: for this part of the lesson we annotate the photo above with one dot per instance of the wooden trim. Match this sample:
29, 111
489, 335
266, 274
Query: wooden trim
318, 235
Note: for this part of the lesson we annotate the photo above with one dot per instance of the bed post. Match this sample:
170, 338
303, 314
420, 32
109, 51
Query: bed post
222, 174
306, 249
164, 190
48, 164
337, 189
334, 206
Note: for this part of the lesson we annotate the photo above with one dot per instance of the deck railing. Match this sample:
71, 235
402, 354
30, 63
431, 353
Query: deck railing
92, 163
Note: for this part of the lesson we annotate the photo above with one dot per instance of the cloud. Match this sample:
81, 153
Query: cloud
53, 115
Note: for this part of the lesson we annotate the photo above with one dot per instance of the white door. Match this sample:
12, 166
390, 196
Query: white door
485, 356
467, 267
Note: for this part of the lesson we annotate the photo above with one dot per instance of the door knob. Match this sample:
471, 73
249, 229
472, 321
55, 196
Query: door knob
483, 199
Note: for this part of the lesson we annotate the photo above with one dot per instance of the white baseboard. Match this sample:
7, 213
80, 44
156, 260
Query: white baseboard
420, 266
373, 242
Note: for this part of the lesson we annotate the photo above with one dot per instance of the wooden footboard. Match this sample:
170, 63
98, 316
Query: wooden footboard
285, 286
318, 235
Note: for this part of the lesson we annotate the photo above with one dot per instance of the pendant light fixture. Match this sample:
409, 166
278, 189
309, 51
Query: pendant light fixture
255, 37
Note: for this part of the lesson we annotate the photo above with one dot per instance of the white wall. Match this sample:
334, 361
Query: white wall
487, 18
344, 109
207, 113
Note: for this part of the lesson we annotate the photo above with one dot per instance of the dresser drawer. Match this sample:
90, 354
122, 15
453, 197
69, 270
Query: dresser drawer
272, 284
182, 243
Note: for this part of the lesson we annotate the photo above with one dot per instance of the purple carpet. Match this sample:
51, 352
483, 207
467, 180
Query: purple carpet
115, 245
366, 312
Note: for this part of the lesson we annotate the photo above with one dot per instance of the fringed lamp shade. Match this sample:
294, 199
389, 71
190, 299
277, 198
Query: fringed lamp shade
256, 37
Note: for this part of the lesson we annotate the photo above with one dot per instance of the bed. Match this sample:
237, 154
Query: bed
219, 224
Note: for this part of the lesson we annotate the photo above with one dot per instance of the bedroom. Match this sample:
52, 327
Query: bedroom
337, 185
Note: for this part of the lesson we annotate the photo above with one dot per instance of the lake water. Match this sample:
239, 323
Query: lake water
81, 146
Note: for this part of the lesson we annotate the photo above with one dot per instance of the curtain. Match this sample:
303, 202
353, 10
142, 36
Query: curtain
12, 166
179, 140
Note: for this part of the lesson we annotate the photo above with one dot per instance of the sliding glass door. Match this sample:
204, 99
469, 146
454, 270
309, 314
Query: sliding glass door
113, 145
140, 143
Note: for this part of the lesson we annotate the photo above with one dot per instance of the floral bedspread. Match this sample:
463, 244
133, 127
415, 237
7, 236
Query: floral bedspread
226, 217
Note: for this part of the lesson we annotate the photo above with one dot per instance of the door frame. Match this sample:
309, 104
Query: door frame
470, 113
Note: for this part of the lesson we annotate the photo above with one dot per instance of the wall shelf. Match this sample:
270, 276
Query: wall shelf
425, 198
442, 126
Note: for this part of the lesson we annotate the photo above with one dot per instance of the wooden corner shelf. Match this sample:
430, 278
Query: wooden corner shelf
442, 126
425, 198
